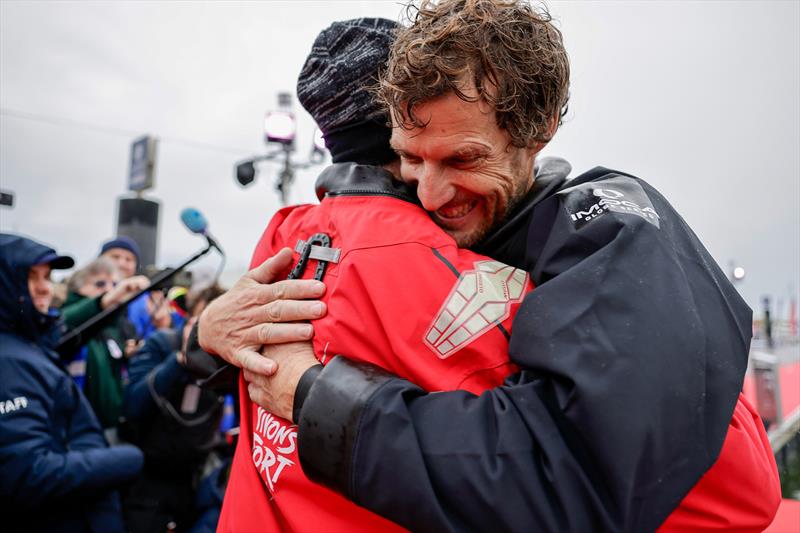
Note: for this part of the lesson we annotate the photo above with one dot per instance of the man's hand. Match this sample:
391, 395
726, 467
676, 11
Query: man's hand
159, 310
258, 311
132, 346
276, 393
124, 290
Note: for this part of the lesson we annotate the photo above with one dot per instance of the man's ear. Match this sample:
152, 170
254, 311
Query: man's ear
551, 131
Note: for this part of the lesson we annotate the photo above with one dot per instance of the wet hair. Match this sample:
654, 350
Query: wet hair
508, 50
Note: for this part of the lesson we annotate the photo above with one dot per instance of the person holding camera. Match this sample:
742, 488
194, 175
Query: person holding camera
99, 365
174, 422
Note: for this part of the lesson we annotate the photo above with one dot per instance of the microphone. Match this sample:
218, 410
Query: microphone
197, 223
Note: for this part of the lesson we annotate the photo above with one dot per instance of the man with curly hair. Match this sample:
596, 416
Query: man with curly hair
632, 348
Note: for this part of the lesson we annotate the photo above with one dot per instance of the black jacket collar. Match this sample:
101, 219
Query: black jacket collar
351, 179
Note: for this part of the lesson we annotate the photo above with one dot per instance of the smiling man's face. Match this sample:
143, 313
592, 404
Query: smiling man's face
40, 287
467, 173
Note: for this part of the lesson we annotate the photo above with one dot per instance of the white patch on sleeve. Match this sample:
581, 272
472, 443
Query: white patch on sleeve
480, 300
12, 405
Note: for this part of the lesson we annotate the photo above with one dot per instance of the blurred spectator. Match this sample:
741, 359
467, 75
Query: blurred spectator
124, 253
209, 498
176, 425
178, 300
99, 366
57, 473
59, 293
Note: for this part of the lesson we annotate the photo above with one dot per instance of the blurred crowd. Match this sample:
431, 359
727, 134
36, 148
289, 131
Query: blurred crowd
112, 433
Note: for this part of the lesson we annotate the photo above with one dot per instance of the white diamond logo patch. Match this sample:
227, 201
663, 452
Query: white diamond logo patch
480, 300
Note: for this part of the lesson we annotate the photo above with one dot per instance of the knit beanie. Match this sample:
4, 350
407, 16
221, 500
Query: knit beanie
126, 243
333, 87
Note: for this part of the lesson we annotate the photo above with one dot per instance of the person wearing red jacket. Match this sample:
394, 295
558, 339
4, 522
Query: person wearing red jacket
447, 328
366, 242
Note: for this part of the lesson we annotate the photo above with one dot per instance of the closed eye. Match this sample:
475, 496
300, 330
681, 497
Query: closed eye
409, 159
463, 161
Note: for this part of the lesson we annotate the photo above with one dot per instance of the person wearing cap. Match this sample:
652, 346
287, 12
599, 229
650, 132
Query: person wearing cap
57, 473
124, 253
626, 415
149, 312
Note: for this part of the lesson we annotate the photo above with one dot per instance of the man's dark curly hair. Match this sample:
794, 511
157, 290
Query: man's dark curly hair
510, 51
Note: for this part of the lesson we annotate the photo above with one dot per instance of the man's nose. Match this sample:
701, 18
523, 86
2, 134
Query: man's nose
433, 189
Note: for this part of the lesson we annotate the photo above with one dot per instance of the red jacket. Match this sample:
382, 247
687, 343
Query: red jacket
395, 299
732, 496
402, 287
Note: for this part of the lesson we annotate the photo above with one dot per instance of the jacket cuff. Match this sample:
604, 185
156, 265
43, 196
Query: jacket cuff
329, 420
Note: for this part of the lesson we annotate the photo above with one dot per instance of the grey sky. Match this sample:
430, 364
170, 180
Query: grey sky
701, 99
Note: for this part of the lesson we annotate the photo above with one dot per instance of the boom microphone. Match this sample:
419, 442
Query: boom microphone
197, 223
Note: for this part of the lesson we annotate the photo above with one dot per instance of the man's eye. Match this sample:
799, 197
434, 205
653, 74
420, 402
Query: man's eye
411, 160
464, 161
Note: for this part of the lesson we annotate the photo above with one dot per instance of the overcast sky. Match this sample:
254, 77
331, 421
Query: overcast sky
698, 98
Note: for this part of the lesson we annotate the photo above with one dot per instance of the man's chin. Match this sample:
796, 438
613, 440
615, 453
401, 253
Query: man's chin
465, 232
466, 238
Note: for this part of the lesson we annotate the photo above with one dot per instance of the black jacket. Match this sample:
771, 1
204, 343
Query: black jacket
633, 348
175, 441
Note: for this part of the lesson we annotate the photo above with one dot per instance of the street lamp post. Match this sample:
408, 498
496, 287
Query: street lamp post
280, 128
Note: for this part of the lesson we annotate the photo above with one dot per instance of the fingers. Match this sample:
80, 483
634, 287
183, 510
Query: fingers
250, 377
261, 393
253, 362
289, 289
257, 396
290, 353
138, 282
157, 297
279, 333
270, 269
291, 311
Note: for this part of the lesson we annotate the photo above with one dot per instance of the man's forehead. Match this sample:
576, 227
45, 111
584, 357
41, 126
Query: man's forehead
43, 269
414, 142
119, 251
449, 124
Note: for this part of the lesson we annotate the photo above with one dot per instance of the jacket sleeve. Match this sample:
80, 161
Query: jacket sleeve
37, 459
633, 348
79, 312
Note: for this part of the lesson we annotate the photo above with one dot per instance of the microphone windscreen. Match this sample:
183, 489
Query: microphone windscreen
194, 220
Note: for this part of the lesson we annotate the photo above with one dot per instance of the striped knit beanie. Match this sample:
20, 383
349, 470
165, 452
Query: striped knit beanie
333, 87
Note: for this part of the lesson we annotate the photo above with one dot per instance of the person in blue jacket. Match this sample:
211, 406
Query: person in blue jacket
57, 472
175, 423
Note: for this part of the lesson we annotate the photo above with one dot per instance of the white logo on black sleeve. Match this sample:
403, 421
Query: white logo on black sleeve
14, 404
588, 201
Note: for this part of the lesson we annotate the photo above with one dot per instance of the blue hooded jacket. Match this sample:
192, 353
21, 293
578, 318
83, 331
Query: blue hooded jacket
57, 473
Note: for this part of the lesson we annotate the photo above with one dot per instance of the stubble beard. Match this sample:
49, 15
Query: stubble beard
522, 184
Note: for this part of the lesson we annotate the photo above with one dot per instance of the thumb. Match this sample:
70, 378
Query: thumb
250, 360
270, 269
